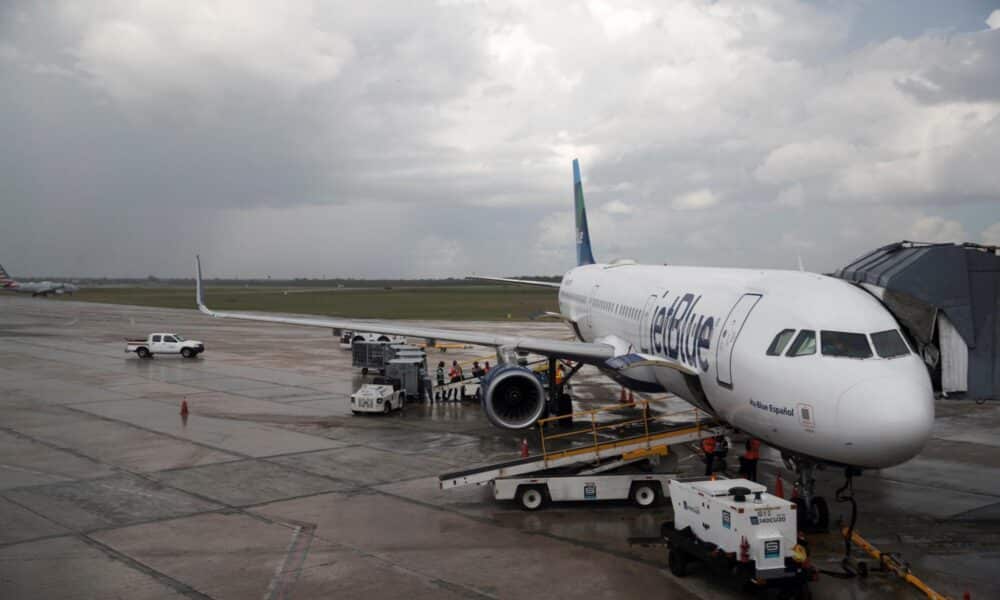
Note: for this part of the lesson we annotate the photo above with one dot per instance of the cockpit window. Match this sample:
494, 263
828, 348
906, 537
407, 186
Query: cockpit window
842, 343
779, 342
804, 344
889, 344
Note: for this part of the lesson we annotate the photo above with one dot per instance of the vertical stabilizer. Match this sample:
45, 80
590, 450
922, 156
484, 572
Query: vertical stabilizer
584, 255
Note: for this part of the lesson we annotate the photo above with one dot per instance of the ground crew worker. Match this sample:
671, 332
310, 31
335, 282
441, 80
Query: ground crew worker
748, 462
440, 379
477, 371
560, 375
486, 368
722, 449
708, 447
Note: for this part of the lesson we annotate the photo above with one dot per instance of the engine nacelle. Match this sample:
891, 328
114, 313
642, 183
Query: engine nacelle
514, 397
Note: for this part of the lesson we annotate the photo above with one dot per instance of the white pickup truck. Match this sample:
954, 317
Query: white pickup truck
164, 343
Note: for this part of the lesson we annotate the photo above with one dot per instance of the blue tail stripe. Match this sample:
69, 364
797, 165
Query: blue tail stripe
584, 255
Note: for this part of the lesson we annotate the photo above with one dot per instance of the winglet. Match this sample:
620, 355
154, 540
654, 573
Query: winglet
584, 256
199, 295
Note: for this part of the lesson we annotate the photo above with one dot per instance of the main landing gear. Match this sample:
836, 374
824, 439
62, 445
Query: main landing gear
813, 511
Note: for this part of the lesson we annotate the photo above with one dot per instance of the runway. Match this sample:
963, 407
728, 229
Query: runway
272, 489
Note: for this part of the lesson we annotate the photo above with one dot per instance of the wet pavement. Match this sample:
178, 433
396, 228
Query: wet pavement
272, 489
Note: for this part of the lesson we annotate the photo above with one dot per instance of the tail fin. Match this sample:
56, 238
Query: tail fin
3, 273
584, 256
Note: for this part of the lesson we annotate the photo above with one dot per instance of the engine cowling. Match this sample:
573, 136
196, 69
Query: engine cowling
514, 397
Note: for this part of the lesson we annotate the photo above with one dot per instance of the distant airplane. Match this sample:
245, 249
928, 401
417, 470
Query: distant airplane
35, 288
812, 365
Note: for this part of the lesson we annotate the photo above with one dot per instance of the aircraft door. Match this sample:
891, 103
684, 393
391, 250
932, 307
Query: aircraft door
730, 331
645, 341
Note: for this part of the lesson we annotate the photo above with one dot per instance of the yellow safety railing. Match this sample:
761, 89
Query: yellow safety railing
592, 431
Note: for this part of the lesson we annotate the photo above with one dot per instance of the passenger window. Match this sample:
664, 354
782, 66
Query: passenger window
889, 344
779, 342
156, 338
804, 344
848, 345
169, 338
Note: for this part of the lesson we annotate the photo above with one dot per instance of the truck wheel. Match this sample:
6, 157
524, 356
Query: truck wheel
387, 408
678, 562
645, 494
143, 353
187, 353
530, 497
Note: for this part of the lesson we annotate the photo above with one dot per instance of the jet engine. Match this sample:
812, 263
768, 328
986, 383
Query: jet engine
514, 397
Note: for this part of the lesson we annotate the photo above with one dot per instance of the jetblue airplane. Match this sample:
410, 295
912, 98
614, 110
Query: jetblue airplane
35, 288
812, 365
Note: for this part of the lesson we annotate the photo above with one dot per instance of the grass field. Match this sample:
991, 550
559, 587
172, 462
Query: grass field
457, 302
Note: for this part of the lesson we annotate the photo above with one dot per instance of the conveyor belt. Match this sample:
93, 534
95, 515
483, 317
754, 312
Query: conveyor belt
603, 450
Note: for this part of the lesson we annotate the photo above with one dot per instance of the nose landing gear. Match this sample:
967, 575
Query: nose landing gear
813, 511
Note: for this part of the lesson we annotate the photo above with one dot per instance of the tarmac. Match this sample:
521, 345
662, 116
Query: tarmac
270, 488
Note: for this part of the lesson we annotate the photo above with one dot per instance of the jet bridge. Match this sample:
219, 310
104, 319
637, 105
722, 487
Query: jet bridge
947, 297
597, 446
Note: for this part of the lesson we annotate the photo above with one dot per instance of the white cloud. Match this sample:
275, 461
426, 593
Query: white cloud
792, 196
937, 229
459, 121
695, 200
617, 207
993, 21
147, 49
991, 235
802, 160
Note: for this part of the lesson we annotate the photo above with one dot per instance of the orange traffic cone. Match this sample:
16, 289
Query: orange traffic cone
621, 399
779, 488
524, 447
184, 408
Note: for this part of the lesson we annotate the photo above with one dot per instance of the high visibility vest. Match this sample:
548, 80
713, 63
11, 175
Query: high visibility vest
708, 445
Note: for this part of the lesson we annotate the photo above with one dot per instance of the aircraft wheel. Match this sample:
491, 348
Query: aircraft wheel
821, 513
815, 520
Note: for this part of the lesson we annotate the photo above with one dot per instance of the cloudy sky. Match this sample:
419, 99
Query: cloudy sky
423, 139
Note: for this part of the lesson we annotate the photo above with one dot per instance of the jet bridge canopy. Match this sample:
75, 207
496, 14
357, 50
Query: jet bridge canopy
947, 296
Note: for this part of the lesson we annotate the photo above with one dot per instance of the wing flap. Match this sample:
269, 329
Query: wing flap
624, 362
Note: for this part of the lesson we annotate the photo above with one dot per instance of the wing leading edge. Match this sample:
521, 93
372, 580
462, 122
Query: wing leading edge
590, 353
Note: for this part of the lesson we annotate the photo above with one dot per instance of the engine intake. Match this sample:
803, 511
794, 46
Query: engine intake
514, 397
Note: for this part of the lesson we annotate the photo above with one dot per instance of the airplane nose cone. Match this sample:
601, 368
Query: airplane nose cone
886, 421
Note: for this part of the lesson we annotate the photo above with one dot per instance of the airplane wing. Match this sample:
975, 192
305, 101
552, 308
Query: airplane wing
590, 353
527, 282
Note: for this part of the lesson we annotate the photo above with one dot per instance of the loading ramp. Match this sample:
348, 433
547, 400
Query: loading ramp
601, 445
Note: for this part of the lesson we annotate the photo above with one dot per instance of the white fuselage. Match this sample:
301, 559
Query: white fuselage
868, 412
